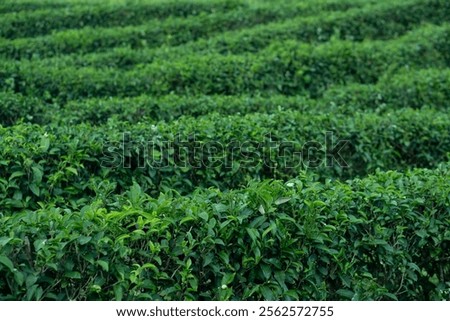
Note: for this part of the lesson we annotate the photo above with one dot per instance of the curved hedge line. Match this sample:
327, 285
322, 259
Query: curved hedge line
302, 240
13, 6
16, 107
171, 31
47, 20
410, 88
383, 21
405, 89
60, 163
161, 192
287, 67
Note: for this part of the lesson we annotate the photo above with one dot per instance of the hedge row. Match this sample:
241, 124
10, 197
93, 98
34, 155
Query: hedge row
16, 107
383, 21
172, 31
11, 6
19, 5
44, 21
409, 88
60, 163
288, 67
296, 241
414, 89
154, 33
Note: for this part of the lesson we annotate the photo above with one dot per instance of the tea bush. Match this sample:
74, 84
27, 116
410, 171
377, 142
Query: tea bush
287, 67
172, 31
48, 18
224, 150
354, 24
41, 163
383, 237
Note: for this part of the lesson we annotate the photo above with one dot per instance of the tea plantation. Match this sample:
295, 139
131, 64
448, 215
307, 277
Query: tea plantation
224, 150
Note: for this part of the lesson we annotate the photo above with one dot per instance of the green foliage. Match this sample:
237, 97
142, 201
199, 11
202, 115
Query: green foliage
254, 146
176, 29
408, 88
355, 24
224, 150
14, 107
383, 237
286, 67
48, 18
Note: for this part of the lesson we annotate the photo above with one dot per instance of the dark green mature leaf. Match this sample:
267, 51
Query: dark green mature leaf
7, 262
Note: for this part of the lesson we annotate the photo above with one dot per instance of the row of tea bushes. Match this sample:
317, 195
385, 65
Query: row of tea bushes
46, 164
286, 67
385, 237
381, 21
355, 25
408, 89
153, 33
31, 23
13, 6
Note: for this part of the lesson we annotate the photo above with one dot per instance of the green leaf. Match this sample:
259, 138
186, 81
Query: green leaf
45, 143
280, 276
154, 268
266, 270
225, 257
104, 265
72, 170
208, 259
293, 294
282, 200
187, 219
7, 262
166, 291
37, 175
39, 244
422, 233
16, 174
220, 208
319, 203
203, 215
193, 283
261, 209
228, 278
5, 240
135, 193
118, 292
345, 293
272, 227
391, 296
253, 233
19, 277
18, 195
30, 280
31, 291
346, 280
34, 189
267, 293
188, 263
73, 275
84, 239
